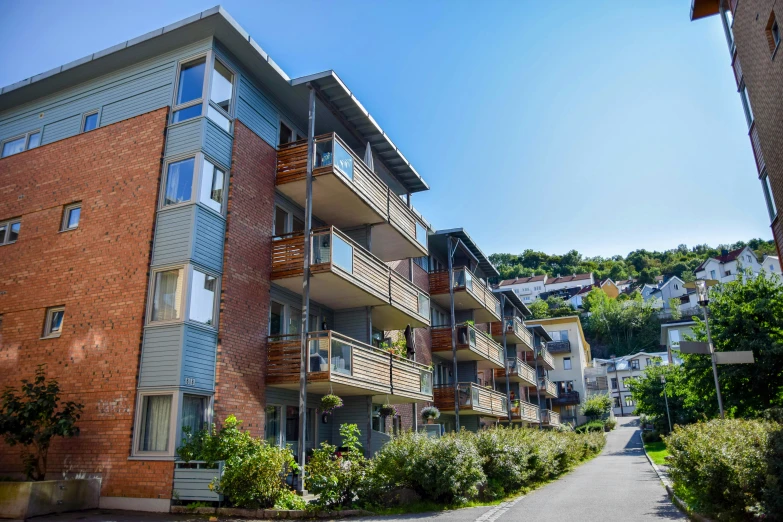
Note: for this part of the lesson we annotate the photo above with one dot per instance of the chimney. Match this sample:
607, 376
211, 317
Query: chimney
724, 252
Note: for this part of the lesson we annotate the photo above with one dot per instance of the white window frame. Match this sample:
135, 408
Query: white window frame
211, 57
97, 112
8, 224
569, 365
66, 212
629, 401
198, 179
184, 304
47, 332
204, 87
26, 137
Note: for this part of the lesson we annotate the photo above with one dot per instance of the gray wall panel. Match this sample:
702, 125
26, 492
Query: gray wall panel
61, 129
209, 239
200, 348
353, 323
173, 236
286, 297
217, 143
185, 137
160, 356
135, 105
256, 112
466, 371
359, 235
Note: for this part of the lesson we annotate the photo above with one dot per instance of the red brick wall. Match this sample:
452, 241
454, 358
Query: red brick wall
244, 304
764, 81
99, 272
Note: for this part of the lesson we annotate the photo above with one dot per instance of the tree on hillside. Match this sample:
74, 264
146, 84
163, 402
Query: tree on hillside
539, 309
621, 327
647, 392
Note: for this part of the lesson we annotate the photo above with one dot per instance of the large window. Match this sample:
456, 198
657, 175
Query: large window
21, 143
212, 186
155, 423
768, 196
559, 335
221, 95
9, 231
167, 295
189, 99
179, 182
196, 175
276, 318
195, 410
203, 291
190, 89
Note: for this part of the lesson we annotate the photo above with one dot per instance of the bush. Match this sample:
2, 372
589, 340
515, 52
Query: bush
591, 426
507, 454
596, 405
452, 472
254, 471
729, 469
610, 423
651, 436
337, 477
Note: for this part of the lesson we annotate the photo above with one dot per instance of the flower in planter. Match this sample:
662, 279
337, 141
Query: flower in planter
387, 410
430, 412
330, 402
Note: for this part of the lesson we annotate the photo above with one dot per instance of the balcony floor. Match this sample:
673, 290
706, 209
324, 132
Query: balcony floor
317, 384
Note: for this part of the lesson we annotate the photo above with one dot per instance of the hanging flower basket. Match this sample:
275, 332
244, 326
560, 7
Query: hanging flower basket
387, 410
330, 402
430, 413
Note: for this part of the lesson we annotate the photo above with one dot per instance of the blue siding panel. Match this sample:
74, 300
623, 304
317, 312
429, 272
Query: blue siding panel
353, 323
217, 143
209, 239
160, 356
185, 137
256, 111
61, 129
173, 236
198, 362
136, 104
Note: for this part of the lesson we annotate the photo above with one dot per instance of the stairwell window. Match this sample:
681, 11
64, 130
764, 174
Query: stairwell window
90, 121
53, 325
768, 196
71, 215
9, 231
566, 363
189, 97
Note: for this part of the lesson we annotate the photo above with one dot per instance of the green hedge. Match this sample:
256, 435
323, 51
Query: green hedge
729, 469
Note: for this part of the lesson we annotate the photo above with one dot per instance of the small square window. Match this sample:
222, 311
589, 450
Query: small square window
54, 321
71, 216
90, 122
9, 232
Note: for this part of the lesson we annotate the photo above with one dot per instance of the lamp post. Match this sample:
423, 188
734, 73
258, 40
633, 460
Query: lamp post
702, 289
619, 392
666, 399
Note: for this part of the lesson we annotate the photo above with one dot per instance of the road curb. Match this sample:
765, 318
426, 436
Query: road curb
677, 501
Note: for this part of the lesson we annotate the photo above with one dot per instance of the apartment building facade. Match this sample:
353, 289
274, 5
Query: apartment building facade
753, 33
152, 241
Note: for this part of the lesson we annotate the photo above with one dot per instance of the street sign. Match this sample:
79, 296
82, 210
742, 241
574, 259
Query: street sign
734, 357
694, 347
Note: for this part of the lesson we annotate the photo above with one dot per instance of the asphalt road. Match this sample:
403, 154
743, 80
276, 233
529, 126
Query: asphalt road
618, 485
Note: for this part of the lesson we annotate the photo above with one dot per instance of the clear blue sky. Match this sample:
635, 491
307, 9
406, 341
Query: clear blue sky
604, 126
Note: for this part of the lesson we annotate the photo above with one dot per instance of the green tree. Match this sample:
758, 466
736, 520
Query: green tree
539, 309
647, 392
622, 327
596, 405
34, 417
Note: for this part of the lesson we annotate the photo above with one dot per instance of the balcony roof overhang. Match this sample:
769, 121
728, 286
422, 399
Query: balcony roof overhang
704, 8
216, 22
438, 241
514, 300
540, 330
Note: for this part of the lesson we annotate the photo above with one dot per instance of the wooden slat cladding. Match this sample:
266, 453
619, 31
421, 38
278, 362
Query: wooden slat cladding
544, 357
516, 332
550, 418
525, 411
401, 217
367, 268
484, 345
756, 144
404, 294
548, 387
473, 398
518, 369
439, 284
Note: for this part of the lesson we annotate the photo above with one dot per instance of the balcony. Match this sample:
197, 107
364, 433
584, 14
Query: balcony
544, 359
524, 412
566, 398
473, 400
345, 275
470, 293
559, 346
346, 367
550, 418
472, 345
546, 388
519, 371
347, 194
516, 333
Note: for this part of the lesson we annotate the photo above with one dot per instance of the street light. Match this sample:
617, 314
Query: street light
702, 287
666, 398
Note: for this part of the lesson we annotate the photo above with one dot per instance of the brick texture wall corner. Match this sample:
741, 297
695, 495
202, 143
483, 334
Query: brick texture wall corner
99, 271
244, 302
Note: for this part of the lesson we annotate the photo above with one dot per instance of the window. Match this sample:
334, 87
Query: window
712, 274
768, 197
272, 424
90, 121
155, 423
423, 262
773, 34
676, 286
746, 103
628, 400
167, 295
625, 382
616, 402
179, 182
421, 234
221, 95
647, 361
614, 383
775, 30
281, 222
190, 90
728, 21
566, 363
202, 298
212, 185
674, 338
9, 231
635, 364
195, 410
53, 326
71, 215
276, 318
19, 144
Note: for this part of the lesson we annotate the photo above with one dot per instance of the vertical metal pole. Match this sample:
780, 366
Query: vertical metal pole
666, 399
304, 349
368, 449
505, 354
453, 332
714, 362
538, 391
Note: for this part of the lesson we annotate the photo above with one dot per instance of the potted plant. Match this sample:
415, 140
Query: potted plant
329, 403
515, 406
387, 410
31, 420
430, 413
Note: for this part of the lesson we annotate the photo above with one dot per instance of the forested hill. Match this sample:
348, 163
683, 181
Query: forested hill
640, 264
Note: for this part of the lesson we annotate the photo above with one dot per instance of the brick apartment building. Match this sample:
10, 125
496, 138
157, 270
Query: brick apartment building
152, 242
754, 29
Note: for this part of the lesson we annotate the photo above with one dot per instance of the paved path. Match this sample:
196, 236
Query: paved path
618, 485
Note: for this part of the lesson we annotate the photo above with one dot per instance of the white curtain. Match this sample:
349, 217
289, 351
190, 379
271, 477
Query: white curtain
168, 294
156, 413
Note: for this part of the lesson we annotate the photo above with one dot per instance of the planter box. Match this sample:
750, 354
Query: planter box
22, 500
192, 479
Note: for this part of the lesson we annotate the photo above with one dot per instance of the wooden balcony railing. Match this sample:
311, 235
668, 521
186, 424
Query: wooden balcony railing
473, 399
547, 387
469, 338
524, 411
518, 370
336, 359
550, 418
336, 253
464, 280
334, 157
543, 357
514, 328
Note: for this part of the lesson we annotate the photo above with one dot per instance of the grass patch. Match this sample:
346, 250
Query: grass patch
657, 452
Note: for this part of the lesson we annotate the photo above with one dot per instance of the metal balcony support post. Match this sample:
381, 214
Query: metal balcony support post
451, 250
308, 219
538, 390
505, 355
